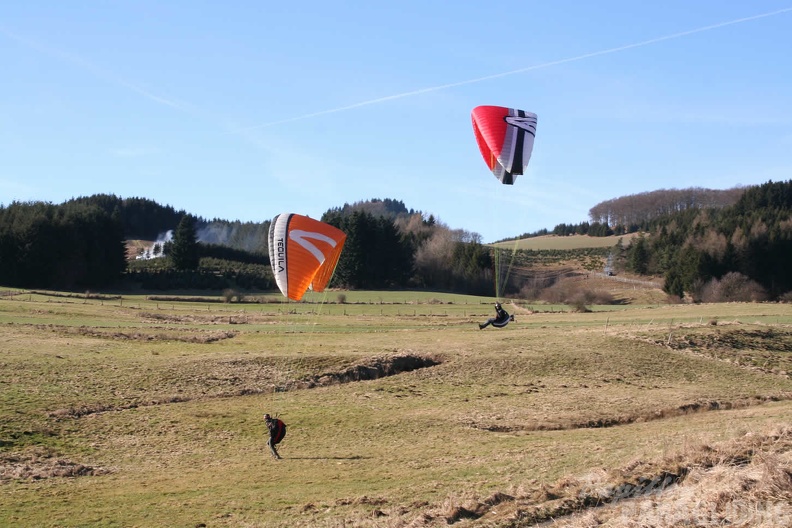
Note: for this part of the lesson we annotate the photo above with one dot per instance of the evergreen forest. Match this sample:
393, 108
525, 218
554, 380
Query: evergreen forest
698, 240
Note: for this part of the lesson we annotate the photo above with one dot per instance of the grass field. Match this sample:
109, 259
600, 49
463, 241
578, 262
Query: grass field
554, 242
147, 411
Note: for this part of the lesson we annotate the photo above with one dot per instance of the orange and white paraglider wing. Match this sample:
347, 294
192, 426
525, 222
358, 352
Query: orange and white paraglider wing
303, 253
326, 270
505, 137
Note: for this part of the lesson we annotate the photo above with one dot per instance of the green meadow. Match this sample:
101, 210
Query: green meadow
136, 410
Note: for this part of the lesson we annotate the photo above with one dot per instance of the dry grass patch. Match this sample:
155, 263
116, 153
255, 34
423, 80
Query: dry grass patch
550, 242
149, 334
202, 319
42, 464
233, 378
625, 419
144, 334
761, 347
745, 483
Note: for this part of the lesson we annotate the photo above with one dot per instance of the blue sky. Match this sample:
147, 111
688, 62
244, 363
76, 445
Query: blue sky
241, 110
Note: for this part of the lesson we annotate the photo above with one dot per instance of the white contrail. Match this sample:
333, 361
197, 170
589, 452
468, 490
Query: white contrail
96, 71
521, 70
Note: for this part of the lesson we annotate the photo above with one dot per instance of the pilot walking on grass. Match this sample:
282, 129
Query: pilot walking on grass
277, 430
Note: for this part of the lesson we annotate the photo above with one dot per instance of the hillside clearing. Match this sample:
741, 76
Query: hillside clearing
555, 242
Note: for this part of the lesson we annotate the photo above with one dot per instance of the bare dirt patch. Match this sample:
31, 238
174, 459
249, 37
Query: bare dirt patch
370, 369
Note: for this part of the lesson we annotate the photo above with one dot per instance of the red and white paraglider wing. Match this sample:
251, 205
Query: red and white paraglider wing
505, 137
